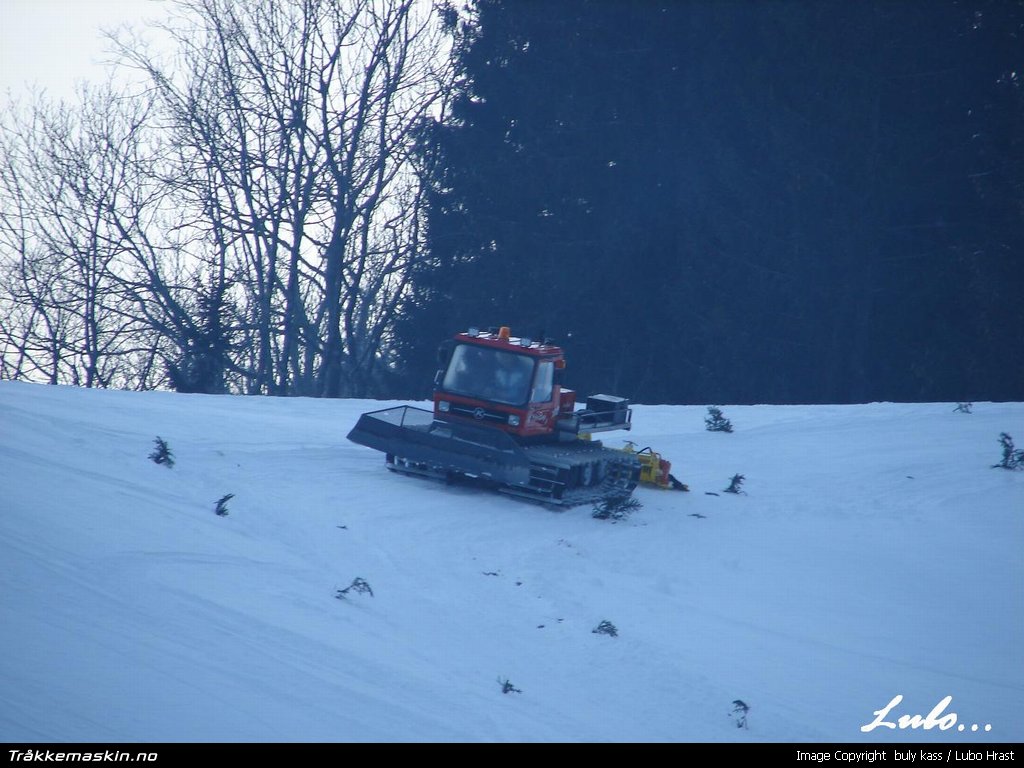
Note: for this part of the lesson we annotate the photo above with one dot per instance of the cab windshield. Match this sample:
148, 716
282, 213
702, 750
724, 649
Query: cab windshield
489, 374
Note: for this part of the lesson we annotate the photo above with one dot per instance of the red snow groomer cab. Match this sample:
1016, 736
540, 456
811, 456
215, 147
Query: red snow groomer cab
514, 384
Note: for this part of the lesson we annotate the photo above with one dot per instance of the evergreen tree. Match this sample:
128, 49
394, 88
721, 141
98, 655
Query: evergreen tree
735, 202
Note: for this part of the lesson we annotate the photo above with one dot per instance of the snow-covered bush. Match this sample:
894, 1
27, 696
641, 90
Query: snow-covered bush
507, 687
162, 453
616, 507
606, 628
735, 483
715, 421
1013, 457
221, 507
739, 713
358, 584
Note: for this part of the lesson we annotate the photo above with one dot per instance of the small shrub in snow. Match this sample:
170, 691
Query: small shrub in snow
715, 421
963, 407
616, 507
735, 483
507, 687
606, 628
739, 713
359, 585
221, 508
162, 454
1013, 458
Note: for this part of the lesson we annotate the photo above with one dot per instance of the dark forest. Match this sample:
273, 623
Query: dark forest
782, 202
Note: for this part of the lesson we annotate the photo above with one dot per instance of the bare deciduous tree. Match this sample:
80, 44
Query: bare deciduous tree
64, 179
293, 122
247, 217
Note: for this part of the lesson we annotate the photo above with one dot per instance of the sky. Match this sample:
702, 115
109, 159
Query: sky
869, 577
55, 43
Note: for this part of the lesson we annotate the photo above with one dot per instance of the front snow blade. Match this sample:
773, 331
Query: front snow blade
413, 434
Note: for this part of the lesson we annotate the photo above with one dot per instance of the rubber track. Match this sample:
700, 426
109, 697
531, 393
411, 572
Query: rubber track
559, 474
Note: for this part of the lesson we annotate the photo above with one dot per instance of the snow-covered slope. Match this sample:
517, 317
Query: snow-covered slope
876, 553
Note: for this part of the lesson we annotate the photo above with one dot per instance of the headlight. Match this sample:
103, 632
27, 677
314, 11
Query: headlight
513, 420
444, 406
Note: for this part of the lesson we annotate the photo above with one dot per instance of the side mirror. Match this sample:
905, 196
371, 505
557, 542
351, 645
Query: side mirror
444, 353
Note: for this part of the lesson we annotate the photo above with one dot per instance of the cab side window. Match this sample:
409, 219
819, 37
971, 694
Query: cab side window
543, 382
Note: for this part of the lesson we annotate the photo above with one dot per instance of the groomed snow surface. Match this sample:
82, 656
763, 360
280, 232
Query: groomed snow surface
876, 553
